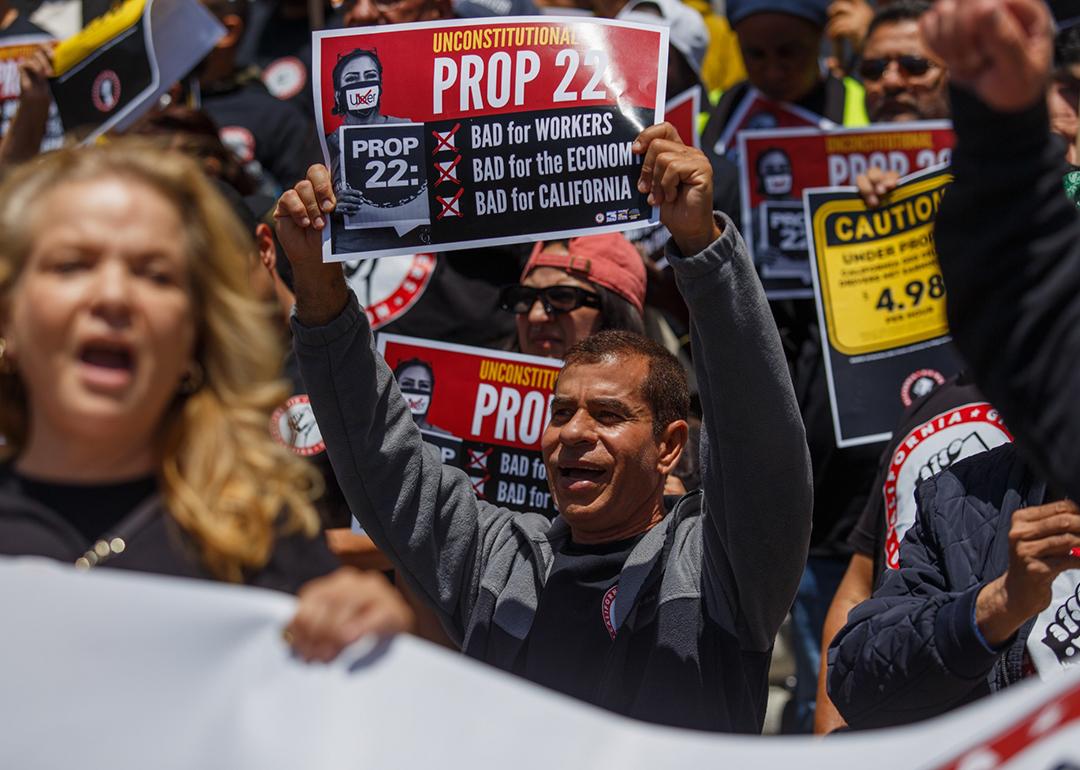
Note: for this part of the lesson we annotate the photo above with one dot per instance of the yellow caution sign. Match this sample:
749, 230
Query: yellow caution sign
881, 286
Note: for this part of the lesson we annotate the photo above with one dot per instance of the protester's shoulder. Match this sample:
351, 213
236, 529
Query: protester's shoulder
955, 393
684, 548
684, 534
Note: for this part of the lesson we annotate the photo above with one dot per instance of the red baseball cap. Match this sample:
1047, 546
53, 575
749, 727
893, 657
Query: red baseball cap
607, 260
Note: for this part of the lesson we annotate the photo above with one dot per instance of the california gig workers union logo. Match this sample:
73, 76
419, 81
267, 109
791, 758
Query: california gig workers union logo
389, 286
293, 426
105, 92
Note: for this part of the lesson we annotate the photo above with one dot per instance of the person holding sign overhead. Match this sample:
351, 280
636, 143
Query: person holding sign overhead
672, 613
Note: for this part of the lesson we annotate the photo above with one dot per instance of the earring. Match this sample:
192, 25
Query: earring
5, 365
194, 379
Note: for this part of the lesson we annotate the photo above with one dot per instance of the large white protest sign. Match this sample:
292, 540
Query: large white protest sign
462, 133
116, 670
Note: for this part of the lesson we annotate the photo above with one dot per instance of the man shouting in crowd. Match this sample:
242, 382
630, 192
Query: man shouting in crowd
667, 615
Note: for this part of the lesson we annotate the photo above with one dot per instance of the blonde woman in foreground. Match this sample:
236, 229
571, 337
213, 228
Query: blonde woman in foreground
137, 375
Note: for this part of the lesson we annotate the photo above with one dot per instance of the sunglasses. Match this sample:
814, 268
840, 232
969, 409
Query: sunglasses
554, 299
912, 66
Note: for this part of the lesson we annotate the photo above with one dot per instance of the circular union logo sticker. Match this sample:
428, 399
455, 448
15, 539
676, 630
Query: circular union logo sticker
105, 93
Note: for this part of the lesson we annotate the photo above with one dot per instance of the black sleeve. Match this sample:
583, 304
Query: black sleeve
293, 145
1009, 244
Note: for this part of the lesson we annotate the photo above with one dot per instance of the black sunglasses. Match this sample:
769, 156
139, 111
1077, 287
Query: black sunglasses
554, 299
912, 66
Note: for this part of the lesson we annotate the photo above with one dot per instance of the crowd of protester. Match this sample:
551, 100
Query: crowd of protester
162, 294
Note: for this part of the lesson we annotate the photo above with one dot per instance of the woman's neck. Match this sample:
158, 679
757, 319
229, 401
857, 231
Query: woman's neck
51, 457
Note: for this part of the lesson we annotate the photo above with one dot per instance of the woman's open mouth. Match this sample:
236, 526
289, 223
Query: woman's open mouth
107, 365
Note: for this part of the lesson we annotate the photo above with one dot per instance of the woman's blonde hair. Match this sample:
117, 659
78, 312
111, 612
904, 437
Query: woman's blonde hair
223, 478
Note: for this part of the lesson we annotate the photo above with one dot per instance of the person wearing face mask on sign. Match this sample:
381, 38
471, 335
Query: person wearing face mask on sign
416, 379
357, 78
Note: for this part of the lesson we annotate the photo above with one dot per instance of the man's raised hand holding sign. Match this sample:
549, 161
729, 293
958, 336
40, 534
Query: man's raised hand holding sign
671, 610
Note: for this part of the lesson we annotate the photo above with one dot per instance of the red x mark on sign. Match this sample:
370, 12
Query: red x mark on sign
448, 171
478, 459
450, 207
478, 483
445, 139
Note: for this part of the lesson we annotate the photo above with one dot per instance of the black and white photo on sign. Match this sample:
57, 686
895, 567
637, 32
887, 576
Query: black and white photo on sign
383, 166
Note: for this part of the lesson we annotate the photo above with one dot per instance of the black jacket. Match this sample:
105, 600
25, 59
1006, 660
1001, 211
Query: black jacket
153, 542
911, 651
1008, 240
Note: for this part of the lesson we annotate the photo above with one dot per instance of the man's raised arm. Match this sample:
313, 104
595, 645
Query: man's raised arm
422, 515
755, 463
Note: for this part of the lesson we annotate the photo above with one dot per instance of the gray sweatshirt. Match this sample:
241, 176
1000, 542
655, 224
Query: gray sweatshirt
700, 597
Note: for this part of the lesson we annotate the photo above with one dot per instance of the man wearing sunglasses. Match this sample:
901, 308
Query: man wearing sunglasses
573, 288
903, 79
666, 614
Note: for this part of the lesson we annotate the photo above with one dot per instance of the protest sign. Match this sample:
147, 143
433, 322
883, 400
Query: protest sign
14, 51
456, 134
776, 166
146, 658
682, 112
757, 112
881, 302
116, 68
486, 411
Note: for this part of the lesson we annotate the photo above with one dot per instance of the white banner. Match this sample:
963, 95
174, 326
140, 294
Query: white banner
115, 670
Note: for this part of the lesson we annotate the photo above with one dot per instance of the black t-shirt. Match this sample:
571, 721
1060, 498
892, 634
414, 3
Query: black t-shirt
276, 141
92, 509
952, 422
573, 629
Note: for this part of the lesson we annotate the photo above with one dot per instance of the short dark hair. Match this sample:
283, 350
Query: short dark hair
664, 388
897, 11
